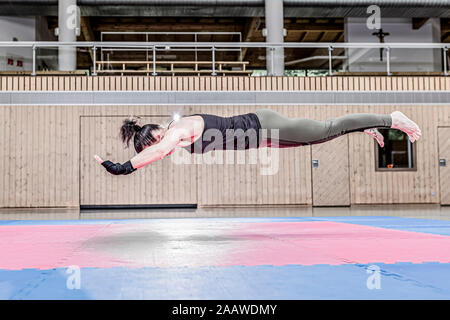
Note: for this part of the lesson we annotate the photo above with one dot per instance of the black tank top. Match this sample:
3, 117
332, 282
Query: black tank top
232, 133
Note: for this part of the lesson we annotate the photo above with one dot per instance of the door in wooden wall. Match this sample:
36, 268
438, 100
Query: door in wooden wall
444, 164
162, 182
330, 173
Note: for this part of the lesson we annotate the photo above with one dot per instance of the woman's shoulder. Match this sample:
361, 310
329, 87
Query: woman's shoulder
194, 121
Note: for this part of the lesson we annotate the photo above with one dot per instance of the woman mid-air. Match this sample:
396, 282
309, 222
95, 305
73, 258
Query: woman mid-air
201, 133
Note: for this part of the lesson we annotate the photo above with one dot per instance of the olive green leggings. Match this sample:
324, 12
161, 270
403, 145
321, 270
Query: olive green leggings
300, 131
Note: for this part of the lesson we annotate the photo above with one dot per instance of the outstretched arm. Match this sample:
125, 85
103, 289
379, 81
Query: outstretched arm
147, 156
157, 151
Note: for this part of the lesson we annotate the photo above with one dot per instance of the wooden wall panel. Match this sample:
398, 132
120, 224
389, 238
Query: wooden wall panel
330, 179
163, 182
40, 158
444, 171
227, 83
370, 186
40, 146
37, 154
244, 184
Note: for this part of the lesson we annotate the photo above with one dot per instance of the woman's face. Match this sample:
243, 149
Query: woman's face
158, 135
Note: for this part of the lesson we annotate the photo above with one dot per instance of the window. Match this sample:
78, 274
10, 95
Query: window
398, 153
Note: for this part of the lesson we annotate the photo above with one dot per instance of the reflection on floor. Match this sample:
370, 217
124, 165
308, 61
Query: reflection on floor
384, 252
423, 211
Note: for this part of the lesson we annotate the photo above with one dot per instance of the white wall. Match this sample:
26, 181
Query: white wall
24, 30
400, 30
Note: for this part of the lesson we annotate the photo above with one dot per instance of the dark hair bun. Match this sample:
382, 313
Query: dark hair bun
129, 129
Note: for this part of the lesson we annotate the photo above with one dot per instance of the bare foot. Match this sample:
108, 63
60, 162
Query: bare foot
374, 133
403, 123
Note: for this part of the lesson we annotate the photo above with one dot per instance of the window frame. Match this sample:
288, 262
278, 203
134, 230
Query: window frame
414, 159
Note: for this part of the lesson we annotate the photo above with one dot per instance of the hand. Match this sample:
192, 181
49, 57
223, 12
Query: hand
116, 168
99, 160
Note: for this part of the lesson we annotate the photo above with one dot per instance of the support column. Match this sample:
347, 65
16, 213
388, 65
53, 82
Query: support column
68, 28
274, 34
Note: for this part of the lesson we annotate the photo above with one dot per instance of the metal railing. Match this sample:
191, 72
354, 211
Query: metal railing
195, 35
214, 46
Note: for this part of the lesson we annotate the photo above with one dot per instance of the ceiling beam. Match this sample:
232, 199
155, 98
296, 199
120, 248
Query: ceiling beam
250, 28
417, 23
338, 36
445, 37
319, 39
303, 36
445, 25
87, 33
